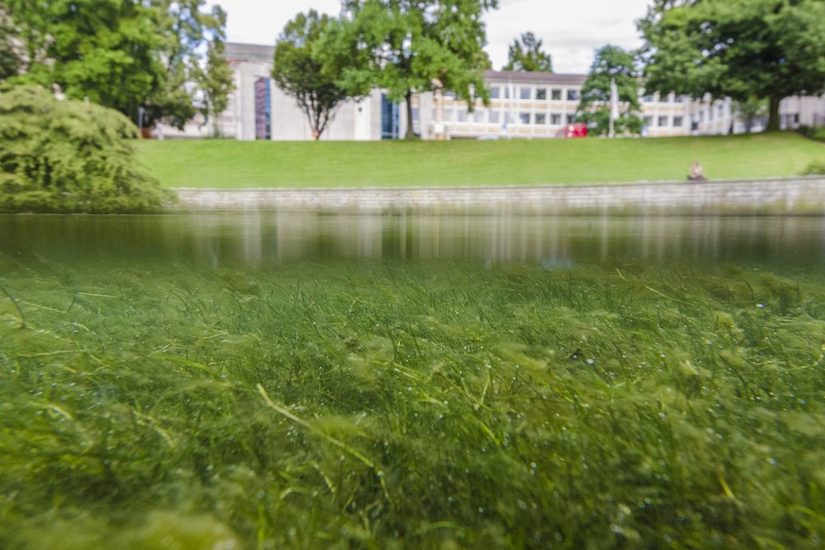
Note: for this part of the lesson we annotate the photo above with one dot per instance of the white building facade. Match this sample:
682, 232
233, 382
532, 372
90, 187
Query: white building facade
522, 105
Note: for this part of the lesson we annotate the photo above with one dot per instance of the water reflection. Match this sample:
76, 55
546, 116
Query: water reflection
260, 238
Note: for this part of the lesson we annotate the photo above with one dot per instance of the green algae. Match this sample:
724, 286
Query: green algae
415, 404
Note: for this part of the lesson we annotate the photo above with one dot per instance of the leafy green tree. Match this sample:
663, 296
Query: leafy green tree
185, 29
69, 156
750, 110
409, 46
741, 49
10, 62
216, 83
120, 53
302, 72
611, 63
526, 54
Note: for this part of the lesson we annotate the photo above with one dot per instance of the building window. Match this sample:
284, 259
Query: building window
662, 121
462, 115
678, 122
507, 92
495, 117
541, 119
555, 119
525, 93
478, 115
648, 121
572, 95
710, 113
495, 92
555, 94
524, 118
571, 119
648, 99
541, 94
679, 99
701, 116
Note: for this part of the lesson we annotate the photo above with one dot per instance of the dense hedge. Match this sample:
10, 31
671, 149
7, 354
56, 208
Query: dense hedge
69, 156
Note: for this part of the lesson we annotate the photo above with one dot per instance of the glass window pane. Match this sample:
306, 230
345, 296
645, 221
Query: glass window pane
572, 95
555, 93
541, 118
541, 94
525, 93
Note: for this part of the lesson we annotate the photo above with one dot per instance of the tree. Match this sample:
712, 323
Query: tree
750, 110
525, 54
10, 62
216, 79
409, 46
767, 49
69, 156
611, 64
121, 53
304, 73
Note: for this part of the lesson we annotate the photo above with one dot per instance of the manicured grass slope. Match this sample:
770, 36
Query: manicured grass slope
224, 163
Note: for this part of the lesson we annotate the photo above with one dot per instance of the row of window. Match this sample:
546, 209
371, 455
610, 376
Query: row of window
554, 119
497, 117
528, 93
665, 99
710, 111
664, 121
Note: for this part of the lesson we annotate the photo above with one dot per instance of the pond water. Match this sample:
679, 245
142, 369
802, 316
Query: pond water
411, 380
261, 239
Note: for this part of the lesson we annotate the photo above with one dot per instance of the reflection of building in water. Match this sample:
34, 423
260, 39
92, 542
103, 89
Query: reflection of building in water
258, 238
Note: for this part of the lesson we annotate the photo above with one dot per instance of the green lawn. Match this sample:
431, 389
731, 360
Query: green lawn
220, 163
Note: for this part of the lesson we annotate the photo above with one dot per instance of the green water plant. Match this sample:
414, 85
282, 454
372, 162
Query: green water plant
69, 156
394, 405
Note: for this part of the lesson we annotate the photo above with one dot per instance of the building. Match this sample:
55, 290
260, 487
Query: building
522, 105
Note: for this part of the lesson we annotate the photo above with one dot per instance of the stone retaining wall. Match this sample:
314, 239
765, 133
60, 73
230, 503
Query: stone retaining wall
779, 196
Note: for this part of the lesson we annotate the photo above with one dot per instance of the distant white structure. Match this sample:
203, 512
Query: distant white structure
522, 105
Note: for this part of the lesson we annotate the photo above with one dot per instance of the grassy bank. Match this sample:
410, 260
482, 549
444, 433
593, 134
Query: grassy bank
386, 405
232, 164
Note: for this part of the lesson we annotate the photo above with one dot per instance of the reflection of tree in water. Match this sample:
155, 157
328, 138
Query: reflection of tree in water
266, 238
505, 236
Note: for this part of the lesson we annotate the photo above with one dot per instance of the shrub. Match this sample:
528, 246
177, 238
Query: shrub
69, 156
815, 133
816, 168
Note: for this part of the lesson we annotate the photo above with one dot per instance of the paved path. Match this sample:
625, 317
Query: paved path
779, 196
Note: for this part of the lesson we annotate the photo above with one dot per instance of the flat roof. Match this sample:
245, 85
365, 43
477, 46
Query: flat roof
235, 51
521, 77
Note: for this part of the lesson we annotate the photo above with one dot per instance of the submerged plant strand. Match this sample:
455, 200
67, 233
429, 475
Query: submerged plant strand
412, 405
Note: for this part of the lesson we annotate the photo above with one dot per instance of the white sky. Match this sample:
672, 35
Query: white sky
571, 29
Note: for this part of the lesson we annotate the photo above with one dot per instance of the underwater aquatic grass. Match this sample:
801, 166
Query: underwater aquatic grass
410, 404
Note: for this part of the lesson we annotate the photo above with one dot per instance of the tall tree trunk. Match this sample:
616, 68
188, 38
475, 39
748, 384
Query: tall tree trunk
773, 114
410, 134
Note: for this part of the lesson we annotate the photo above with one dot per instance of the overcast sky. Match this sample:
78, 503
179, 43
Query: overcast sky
571, 29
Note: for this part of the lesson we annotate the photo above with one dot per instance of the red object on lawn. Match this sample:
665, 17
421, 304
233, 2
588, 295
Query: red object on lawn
576, 130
